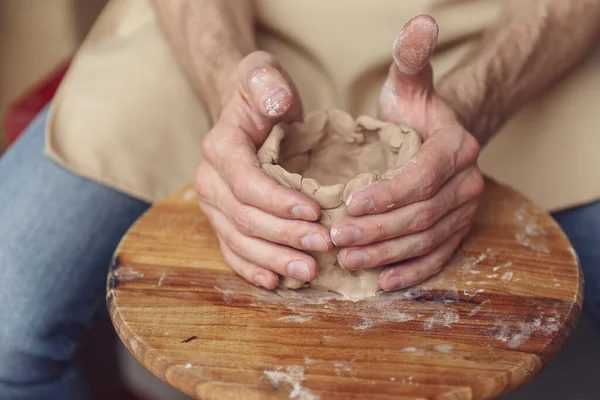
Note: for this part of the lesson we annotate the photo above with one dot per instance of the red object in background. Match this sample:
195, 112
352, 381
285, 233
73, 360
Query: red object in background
22, 111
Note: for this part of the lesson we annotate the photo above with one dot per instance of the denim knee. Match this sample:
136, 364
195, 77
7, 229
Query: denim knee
582, 226
37, 338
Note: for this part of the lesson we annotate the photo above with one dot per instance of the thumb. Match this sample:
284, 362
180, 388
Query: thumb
265, 96
411, 73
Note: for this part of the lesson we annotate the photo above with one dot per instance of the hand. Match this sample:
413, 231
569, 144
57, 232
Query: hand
259, 222
417, 218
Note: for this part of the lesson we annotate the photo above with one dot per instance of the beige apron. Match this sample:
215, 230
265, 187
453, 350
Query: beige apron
126, 116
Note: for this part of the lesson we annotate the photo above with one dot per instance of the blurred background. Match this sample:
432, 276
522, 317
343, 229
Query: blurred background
37, 40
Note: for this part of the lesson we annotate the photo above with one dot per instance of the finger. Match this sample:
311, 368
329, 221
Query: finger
280, 259
444, 155
266, 94
410, 76
411, 218
405, 247
250, 272
247, 270
233, 157
414, 46
251, 221
419, 269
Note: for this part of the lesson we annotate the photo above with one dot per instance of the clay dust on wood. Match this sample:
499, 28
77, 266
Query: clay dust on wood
516, 334
365, 324
127, 273
444, 348
531, 234
296, 318
292, 375
342, 369
442, 318
161, 280
479, 307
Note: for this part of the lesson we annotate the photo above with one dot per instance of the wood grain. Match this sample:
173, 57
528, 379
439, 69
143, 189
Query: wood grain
499, 311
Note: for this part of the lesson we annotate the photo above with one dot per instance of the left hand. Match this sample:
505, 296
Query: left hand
414, 220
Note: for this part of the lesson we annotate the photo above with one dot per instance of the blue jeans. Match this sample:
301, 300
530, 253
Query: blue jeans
58, 232
582, 226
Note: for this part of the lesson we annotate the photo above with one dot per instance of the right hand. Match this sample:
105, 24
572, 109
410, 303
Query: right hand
262, 226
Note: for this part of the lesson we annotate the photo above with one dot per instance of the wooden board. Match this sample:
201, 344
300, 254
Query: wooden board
499, 311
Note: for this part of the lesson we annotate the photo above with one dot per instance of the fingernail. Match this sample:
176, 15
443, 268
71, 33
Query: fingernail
362, 206
349, 200
395, 282
298, 269
355, 259
314, 242
346, 235
261, 281
304, 212
274, 102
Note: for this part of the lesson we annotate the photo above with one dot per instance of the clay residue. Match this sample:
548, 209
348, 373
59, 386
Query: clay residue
127, 274
442, 318
365, 324
293, 376
414, 350
479, 307
341, 368
517, 333
296, 318
161, 280
530, 234
444, 348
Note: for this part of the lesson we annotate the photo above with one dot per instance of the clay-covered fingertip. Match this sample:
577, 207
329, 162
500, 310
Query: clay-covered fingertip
415, 44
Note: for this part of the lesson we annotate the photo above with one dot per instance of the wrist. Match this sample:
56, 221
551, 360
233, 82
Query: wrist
473, 101
217, 39
221, 82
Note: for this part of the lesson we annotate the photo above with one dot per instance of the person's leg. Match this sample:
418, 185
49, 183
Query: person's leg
582, 226
58, 232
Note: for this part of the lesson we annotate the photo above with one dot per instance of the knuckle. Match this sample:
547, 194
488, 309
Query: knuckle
244, 221
424, 219
200, 185
237, 187
233, 245
428, 241
375, 231
207, 147
478, 182
471, 147
427, 184
291, 232
383, 253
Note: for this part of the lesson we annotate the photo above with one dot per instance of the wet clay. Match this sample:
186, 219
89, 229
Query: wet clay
328, 157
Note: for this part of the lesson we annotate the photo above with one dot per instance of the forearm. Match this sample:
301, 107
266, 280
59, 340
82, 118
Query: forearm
534, 43
209, 38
